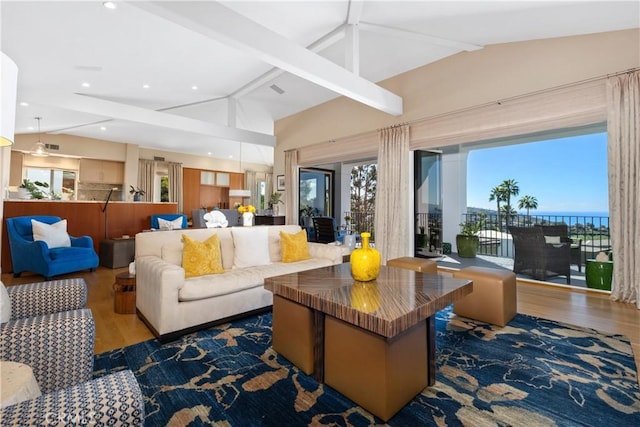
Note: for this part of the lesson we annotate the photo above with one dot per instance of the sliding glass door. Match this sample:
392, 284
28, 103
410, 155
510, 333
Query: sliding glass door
428, 203
316, 194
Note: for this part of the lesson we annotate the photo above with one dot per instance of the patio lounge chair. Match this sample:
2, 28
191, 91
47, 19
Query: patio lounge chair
562, 231
535, 257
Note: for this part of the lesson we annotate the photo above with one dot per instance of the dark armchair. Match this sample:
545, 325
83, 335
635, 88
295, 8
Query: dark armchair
325, 229
535, 257
38, 257
562, 231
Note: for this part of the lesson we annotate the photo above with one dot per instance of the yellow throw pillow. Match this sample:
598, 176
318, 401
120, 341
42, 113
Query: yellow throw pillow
294, 246
200, 258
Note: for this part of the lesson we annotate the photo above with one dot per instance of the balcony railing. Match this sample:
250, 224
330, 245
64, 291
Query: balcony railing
495, 240
361, 221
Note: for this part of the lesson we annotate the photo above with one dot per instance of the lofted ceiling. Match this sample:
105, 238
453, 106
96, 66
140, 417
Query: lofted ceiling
253, 62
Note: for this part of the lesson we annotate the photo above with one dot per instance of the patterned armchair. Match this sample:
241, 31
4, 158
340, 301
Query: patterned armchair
112, 400
50, 331
45, 326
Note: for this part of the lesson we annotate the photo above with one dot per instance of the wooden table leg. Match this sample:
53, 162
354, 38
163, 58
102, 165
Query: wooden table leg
318, 346
431, 350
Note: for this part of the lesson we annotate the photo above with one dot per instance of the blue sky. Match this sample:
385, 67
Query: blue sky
565, 175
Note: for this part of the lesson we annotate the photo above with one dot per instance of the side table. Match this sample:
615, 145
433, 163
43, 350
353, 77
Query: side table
598, 275
117, 252
124, 298
17, 383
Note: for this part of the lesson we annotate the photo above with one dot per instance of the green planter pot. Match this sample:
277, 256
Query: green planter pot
467, 245
599, 274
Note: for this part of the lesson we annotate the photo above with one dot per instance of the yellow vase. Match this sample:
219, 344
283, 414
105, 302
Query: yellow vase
365, 262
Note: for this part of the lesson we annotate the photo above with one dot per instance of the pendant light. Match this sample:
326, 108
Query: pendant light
39, 149
245, 194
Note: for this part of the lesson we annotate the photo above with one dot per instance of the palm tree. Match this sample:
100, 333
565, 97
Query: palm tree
508, 211
497, 195
528, 202
510, 188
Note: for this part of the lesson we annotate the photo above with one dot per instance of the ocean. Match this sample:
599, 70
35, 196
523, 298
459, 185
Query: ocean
598, 219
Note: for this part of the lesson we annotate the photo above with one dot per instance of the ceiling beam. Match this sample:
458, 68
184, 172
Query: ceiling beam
220, 23
319, 45
355, 12
397, 32
130, 113
352, 49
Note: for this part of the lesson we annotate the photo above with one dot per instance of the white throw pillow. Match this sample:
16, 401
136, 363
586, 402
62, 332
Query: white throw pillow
552, 239
251, 246
54, 235
5, 304
174, 224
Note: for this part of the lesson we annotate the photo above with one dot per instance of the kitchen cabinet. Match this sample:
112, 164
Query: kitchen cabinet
101, 171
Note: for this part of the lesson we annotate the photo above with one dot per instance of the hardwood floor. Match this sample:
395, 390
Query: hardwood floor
584, 308
112, 330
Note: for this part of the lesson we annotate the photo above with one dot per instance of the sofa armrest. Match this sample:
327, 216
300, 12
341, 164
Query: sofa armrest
321, 250
114, 399
158, 285
58, 347
36, 299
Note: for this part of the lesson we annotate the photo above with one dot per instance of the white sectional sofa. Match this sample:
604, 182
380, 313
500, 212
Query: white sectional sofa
172, 305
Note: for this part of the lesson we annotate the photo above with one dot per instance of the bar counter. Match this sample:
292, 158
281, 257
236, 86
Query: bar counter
86, 218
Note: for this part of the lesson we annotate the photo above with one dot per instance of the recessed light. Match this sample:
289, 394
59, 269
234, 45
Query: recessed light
194, 87
30, 128
109, 5
145, 86
24, 104
209, 153
85, 84
103, 128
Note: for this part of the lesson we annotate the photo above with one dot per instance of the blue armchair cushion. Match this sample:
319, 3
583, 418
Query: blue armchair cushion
69, 254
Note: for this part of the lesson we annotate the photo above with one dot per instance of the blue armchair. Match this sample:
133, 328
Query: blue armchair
167, 217
37, 257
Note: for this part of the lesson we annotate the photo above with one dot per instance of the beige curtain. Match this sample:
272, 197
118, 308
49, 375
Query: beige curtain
268, 179
291, 186
623, 126
250, 179
146, 178
392, 194
175, 183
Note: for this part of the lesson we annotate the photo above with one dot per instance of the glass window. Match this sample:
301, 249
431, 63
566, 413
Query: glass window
61, 183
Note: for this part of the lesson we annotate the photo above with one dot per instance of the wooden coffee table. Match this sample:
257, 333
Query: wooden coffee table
374, 342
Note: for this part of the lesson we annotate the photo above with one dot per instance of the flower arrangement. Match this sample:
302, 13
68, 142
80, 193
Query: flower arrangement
248, 208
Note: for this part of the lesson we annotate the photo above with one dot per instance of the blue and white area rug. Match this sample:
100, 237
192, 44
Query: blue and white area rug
533, 372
